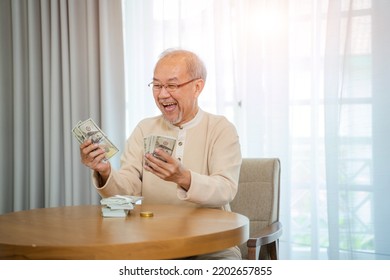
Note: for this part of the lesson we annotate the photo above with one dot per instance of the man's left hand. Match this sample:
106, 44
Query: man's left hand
168, 168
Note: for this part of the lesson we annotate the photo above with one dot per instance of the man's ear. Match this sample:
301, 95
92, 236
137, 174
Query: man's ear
199, 85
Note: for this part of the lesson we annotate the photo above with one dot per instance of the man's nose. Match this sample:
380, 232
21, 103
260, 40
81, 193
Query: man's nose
164, 92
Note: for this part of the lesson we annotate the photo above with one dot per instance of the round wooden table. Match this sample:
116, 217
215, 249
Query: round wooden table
80, 232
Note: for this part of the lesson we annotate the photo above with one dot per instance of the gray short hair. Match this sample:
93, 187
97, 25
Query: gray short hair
195, 66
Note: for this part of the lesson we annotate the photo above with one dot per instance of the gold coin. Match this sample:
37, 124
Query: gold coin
146, 214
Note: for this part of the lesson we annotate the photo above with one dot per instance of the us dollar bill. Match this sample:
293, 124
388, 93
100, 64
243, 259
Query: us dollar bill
78, 134
153, 142
88, 129
165, 143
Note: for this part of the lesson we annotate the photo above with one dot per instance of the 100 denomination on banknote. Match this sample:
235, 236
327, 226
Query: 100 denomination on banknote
153, 142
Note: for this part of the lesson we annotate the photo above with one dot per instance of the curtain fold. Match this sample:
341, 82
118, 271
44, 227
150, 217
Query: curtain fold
57, 67
6, 111
333, 83
381, 125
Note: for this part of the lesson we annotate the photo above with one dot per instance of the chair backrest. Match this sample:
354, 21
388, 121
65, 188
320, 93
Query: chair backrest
258, 193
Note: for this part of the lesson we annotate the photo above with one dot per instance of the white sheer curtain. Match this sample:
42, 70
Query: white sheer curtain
303, 80
60, 62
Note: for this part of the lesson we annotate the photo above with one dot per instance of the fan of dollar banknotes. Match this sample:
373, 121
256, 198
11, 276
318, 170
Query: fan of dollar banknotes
153, 142
88, 129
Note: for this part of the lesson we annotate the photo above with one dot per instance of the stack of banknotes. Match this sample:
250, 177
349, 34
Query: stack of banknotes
88, 129
153, 142
119, 205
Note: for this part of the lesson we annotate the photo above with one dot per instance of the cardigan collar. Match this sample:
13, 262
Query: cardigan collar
195, 121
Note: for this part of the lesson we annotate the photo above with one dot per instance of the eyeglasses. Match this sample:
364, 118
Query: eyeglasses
156, 87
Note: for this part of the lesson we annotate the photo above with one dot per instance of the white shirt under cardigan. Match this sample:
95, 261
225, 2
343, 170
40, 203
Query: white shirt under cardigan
208, 145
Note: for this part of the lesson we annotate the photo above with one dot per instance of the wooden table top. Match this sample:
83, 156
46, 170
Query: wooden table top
80, 232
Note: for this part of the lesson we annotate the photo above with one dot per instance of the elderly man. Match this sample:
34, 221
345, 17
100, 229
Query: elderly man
204, 167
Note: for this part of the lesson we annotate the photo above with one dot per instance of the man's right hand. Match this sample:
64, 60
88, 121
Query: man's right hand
93, 156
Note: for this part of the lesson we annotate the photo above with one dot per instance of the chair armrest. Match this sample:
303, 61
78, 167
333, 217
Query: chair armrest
267, 235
